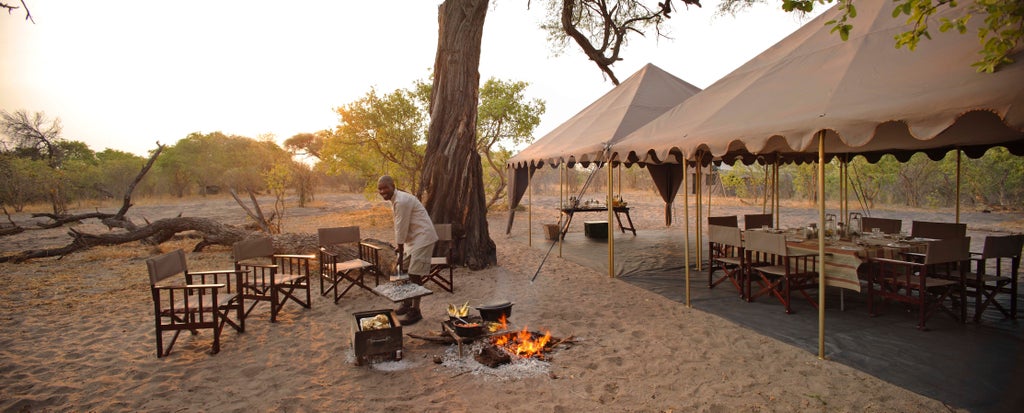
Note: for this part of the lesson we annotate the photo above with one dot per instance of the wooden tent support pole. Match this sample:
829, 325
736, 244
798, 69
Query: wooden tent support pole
700, 202
562, 179
821, 245
611, 217
529, 211
686, 231
958, 185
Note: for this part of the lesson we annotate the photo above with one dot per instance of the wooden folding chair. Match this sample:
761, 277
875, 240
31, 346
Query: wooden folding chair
335, 269
916, 283
884, 225
937, 230
780, 272
442, 261
996, 271
200, 300
725, 221
273, 278
725, 252
756, 221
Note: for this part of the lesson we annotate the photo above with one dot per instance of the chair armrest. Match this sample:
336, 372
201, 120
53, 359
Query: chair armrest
217, 272
189, 286
376, 248
299, 256
893, 261
256, 265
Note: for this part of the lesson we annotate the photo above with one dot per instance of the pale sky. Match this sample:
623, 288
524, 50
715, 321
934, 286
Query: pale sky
126, 74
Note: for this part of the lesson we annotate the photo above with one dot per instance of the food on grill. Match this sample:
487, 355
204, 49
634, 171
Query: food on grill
377, 322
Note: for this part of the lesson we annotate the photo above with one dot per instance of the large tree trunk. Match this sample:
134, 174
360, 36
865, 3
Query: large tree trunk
452, 189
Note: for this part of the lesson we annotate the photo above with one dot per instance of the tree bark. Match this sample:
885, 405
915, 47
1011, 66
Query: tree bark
452, 186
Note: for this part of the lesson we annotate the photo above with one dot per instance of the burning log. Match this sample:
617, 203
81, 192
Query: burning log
491, 356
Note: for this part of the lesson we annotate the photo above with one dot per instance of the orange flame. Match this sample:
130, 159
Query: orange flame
522, 343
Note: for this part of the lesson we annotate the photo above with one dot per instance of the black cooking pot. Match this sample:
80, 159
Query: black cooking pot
493, 312
468, 330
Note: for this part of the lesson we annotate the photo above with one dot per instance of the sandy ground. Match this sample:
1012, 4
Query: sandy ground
78, 336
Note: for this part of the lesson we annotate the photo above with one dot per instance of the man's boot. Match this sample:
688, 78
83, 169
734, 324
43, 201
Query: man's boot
404, 308
412, 317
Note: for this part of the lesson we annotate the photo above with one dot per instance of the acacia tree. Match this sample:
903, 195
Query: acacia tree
503, 117
37, 137
378, 134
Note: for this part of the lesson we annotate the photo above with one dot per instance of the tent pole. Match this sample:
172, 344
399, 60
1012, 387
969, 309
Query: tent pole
611, 213
700, 203
957, 185
775, 192
686, 231
821, 245
529, 211
709, 190
764, 200
562, 178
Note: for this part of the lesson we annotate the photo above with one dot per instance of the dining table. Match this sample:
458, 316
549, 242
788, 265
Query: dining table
846, 257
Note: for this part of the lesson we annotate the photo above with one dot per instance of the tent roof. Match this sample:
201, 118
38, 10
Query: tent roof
643, 96
868, 96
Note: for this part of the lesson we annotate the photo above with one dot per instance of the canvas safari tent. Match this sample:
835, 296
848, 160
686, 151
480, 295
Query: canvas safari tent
585, 137
813, 96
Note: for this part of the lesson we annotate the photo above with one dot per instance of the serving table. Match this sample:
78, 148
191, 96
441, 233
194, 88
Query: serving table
619, 211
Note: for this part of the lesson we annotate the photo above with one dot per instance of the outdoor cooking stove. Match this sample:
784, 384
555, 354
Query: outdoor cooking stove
503, 341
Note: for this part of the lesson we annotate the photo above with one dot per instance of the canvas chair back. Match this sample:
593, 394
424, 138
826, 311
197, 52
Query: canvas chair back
338, 235
1003, 246
948, 250
253, 248
725, 221
725, 235
937, 230
885, 225
444, 232
756, 221
167, 265
766, 242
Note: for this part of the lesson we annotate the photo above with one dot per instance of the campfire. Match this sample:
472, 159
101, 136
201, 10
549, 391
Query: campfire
522, 343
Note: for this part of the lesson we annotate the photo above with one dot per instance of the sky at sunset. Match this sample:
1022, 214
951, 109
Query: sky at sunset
126, 74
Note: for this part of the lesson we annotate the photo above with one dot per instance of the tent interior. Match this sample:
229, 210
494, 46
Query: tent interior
973, 366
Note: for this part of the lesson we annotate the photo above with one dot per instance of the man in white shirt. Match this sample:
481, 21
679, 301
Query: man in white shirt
415, 236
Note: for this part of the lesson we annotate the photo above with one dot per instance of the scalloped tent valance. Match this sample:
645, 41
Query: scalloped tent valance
869, 98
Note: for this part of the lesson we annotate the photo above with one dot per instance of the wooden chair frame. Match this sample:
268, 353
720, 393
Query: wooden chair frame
206, 300
443, 260
917, 282
725, 252
271, 277
1003, 255
778, 272
335, 269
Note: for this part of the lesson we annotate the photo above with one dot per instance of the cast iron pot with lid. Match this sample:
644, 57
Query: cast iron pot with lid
493, 312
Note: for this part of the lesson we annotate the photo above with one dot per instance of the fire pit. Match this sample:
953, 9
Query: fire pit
498, 343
